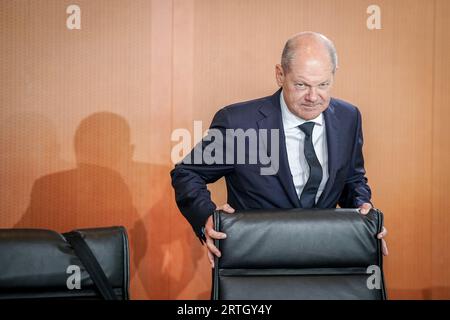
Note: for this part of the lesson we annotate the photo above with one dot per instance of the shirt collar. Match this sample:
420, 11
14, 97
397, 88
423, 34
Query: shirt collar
290, 120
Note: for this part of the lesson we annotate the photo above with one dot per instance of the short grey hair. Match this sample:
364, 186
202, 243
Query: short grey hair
290, 46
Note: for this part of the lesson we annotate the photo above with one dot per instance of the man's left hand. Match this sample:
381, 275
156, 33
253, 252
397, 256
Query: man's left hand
364, 209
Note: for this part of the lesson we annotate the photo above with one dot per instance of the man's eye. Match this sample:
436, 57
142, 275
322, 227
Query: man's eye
301, 85
324, 85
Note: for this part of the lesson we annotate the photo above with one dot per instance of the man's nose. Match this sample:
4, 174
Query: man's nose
312, 94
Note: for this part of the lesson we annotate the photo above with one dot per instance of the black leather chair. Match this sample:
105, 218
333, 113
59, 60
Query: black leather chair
299, 254
38, 264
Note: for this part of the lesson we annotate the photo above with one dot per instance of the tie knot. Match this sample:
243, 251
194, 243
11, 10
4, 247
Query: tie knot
307, 128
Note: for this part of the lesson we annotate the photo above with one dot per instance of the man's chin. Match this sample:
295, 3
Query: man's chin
309, 113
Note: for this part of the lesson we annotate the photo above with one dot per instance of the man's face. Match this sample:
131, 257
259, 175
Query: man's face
306, 85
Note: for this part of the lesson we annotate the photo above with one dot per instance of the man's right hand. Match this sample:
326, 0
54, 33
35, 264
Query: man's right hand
212, 234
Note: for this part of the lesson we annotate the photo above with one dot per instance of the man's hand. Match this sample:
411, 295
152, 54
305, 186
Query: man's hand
211, 234
364, 209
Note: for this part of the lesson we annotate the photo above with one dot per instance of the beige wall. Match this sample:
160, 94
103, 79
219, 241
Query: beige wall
153, 66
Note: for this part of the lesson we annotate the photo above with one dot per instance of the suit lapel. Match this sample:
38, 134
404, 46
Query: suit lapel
333, 146
271, 119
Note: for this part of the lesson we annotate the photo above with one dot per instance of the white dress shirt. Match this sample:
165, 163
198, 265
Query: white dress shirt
295, 140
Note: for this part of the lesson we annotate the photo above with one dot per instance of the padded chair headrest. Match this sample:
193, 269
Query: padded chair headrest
297, 254
34, 262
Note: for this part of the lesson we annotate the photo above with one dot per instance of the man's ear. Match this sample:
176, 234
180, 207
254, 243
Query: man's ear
334, 73
279, 75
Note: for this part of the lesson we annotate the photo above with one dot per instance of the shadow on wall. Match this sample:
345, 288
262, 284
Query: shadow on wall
93, 194
108, 188
176, 256
29, 148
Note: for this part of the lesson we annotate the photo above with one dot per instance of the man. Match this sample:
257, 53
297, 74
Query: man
320, 143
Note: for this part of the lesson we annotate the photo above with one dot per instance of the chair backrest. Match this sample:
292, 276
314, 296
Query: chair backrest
299, 254
40, 264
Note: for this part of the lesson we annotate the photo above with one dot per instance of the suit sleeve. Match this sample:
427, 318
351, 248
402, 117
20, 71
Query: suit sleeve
356, 190
206, 163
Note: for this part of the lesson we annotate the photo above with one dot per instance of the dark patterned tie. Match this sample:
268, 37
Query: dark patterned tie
308, 196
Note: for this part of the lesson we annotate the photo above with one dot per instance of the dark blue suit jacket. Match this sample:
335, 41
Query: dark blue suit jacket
248, 189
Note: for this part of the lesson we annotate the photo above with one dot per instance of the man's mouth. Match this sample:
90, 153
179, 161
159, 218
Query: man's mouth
308, 106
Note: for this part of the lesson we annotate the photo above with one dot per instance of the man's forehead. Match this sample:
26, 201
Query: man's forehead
313, 59
308, 76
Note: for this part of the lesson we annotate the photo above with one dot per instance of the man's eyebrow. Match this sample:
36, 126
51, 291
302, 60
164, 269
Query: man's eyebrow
299, 79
